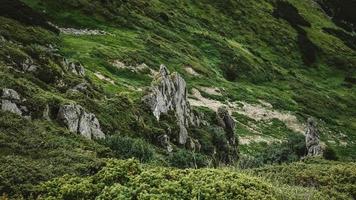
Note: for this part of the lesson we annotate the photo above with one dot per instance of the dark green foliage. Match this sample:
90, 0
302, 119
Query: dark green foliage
288, 12
187, 159
121, 180
307, 47
21, 12
329, 153
125, 147
31, 152
347, 38
293, 149
19, 175
342, 12
332, 178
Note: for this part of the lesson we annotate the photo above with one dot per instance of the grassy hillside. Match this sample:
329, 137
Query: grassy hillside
275, 63
244, 48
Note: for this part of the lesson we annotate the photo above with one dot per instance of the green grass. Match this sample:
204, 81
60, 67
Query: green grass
237, 46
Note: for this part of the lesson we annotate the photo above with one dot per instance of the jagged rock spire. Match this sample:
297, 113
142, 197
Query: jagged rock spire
312, 139
169, 93
228, 124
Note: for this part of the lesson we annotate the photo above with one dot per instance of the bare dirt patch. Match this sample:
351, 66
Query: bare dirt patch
102, 77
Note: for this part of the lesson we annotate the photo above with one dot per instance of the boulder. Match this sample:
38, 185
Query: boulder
77, 120
11, 102
169, 93
28, 65
81, 87
312, 139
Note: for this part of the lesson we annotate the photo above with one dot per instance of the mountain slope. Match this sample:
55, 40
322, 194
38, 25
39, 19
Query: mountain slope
272, 63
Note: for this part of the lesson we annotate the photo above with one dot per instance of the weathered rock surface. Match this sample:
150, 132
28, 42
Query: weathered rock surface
169, 93
228, 124
28, 65
81, 87
74, 67
11, 102
312, 139
79, 121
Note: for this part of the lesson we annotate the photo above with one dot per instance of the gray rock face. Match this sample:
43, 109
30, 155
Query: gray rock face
81, 87
228, 124
169, 93
10, 101
79, 121
28, 65
312, 139
74, 67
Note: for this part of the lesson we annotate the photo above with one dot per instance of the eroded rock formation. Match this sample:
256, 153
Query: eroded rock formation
74, 67
79, 121
312, 139
228, 124
11, 102
169, 93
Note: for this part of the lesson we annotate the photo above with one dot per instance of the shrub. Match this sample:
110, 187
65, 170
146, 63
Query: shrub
186, 159
147, 182
336, 179
329, 153
276, 153
126, 147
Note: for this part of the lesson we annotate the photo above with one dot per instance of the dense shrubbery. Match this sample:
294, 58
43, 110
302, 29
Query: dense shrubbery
333, 178
186, 159
31, 152
126, 147
290, 150
129, 180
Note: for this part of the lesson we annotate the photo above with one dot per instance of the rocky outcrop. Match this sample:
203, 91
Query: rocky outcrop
79, 121
81, 87
169, 93
28, 65
11, 102
228, 124
74, 67
312, 139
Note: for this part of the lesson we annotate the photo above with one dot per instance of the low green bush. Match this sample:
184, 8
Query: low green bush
186, 159
126, 147
120, 180
336, 179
